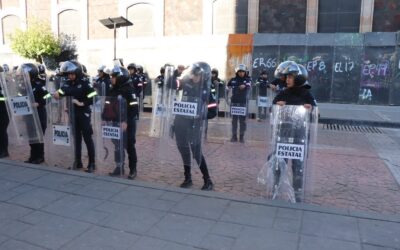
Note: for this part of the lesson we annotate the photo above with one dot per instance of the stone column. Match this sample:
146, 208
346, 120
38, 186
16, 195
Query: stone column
253, 15
312, 16
366, 16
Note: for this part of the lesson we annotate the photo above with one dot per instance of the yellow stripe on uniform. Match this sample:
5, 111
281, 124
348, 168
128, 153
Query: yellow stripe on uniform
91, 94
60, 91
133, 103
2, 98
213, 90
47, 96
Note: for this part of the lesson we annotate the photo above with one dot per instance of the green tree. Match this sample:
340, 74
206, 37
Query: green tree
36, 42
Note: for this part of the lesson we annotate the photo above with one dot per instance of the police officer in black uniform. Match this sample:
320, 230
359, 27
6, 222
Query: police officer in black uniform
4, 121
240, 86
296, 93
217, 84
187, 130
103, 82
40, 94
262, 85
121, 86
78, 87
136, 80
160, 79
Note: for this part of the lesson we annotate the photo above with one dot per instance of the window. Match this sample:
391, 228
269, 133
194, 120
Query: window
69, 22
229, 16
282, 16
10, 24
339, 16
142, 16
386, 16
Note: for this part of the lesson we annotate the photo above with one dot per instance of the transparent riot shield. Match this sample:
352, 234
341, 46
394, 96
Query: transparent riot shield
59, 142
160, 102
109, 130
284, 173
20, 102
185, 113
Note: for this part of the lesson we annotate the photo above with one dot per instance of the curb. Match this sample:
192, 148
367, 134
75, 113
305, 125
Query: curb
359, 123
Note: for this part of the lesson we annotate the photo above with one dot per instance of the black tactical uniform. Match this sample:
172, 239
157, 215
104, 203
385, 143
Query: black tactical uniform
40, 94
187, 129
122, 87
239, 98
262, 84
299, 94
81, 91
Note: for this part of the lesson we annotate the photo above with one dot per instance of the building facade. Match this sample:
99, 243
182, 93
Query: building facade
216, 31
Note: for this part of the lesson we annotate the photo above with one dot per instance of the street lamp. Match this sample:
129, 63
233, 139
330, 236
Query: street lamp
115, 23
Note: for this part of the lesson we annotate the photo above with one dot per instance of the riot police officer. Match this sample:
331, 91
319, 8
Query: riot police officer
40, 94
296, 93
262, 84
136, 80
4, 121
78, 87
240, 86
42, 72
121, 87
160, 79
103, 82
187, 130
217, 84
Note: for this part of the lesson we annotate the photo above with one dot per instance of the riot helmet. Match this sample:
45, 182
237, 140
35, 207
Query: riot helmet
162, 70
214, 71
6, 68
120, 74
71, 67
132, 66
241, 67
29, 68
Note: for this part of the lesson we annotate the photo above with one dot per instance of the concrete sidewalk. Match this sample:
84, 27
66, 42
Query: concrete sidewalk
381, 116
49, 208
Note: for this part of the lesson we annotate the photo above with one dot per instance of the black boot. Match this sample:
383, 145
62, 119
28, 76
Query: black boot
241, 139
208, 185
90, 168
118, 170
38, 160
132, 172
234, 138
188, 178
77, 164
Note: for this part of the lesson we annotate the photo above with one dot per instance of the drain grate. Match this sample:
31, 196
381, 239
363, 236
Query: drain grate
352, 128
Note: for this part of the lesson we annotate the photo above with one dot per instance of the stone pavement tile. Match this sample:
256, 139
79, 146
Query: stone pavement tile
10, 211
261, 238
53, 233
18, 245
148, 243
57, 181
7, 184
287, 225
143, 197
249, 214
227, 229
217, 242
100, 189
2, 239
37, 217
101, 238
23, 188
12, 227
23, 175
373, 247
316, 243
204, 207
380, 233
288, 213
172, 196
5, 195
73, 206
330, 226
129, 218
182, 229
93, 216
37, 198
